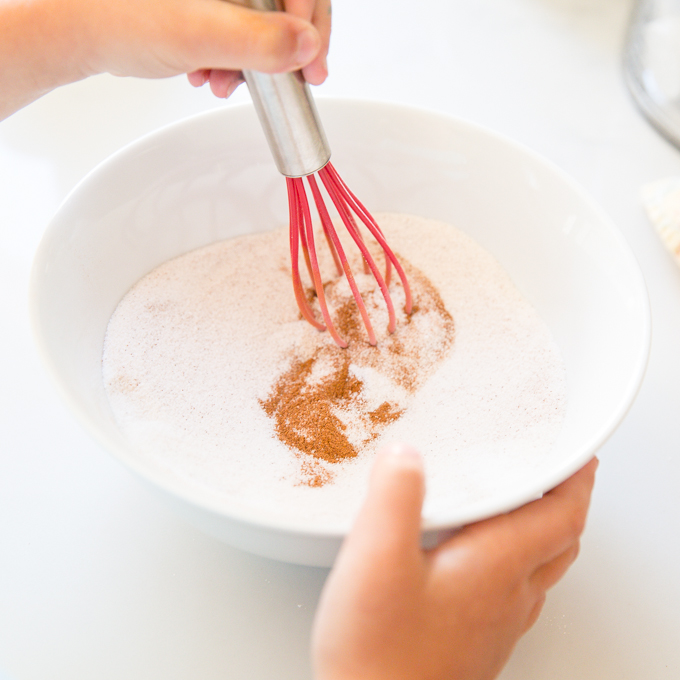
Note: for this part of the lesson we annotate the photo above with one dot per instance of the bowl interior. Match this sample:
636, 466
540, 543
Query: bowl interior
211, 177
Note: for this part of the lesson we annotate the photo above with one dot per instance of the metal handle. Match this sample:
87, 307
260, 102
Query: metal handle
288, 116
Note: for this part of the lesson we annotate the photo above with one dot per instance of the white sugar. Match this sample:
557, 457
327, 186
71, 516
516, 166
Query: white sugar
197, 344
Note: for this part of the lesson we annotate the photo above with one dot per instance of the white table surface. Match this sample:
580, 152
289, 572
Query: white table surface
98, 580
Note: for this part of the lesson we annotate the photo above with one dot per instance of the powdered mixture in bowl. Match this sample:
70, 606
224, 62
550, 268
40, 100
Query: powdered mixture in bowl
211, 372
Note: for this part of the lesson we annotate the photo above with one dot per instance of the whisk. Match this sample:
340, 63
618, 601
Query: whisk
291, 123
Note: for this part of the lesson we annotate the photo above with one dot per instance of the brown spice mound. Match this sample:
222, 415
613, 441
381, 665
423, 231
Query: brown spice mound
319, 405
304, 411
385, 413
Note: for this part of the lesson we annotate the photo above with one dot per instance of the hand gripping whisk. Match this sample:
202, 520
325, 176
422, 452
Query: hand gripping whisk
291, 124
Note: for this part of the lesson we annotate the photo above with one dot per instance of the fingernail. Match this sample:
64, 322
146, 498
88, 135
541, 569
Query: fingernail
403, 451
233, 87
307, 46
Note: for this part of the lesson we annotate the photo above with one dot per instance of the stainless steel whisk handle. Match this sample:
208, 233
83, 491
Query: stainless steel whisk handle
288, 116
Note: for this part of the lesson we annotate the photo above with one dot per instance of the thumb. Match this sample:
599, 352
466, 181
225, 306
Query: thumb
232, 37
388, 525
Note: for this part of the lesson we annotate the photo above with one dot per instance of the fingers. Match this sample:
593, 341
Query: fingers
525, 542
374, 591
546, 528
198, 78
318, 13
317, 71
548, 574
301, 8
223, 83
535, 612
561, 513
388, 525
225, 36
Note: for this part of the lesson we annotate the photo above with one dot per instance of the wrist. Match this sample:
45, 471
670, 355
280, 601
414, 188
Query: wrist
43, 44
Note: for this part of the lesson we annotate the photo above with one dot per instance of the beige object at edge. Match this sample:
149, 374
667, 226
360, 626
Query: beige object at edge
662, 203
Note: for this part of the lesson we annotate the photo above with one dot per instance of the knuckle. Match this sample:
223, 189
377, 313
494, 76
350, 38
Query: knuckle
577, 523
279, 42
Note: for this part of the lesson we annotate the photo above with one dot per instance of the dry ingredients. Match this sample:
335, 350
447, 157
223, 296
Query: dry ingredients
205, 355
313, 416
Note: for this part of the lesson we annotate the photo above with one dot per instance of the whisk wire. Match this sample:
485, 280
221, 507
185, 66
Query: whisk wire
306, 224
373, 227
295, 236
302, 237
302, 230
329, 241
336, 177
343, 210
329, 229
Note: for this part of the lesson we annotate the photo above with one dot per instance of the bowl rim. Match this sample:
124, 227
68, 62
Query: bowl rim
253, 517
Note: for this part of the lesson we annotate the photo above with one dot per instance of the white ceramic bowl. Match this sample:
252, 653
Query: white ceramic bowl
211, 177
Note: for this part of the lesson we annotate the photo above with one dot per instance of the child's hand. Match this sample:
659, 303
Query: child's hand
48, 43
157, 38
317, 12
392, 611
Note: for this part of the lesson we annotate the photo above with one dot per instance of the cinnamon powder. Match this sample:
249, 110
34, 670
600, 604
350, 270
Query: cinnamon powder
197, 343
319, 399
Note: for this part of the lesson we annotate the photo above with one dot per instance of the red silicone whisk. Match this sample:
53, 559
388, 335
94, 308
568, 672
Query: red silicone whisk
291, 124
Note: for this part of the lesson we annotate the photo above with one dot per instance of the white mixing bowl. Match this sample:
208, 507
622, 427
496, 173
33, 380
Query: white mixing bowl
211, 177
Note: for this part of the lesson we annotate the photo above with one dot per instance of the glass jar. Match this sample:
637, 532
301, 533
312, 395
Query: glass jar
652, 63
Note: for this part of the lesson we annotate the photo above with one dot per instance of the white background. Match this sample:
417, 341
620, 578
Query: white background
98, 580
